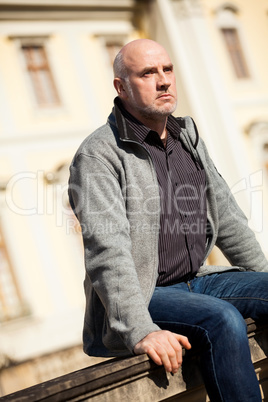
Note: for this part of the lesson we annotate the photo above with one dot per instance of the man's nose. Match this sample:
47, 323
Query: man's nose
163, 81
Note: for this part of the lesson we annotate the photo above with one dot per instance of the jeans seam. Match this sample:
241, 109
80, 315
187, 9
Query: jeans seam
243, 298
214, 369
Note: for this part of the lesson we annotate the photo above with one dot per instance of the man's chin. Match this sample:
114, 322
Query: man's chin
154, 112
167, 110
168, 106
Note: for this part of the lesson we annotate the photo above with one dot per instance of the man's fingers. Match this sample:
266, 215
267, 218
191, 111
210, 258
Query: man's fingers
164, 347
152, 348
177, 341
154, 356
165, 356
183, 340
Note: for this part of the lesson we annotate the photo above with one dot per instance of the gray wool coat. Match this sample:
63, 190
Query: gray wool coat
114, 193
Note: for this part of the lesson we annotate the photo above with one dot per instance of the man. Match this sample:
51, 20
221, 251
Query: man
152, 206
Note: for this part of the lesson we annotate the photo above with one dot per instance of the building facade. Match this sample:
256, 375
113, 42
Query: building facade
55, 89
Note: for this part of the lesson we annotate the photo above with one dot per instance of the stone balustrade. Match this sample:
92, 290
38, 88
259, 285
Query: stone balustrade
137, 378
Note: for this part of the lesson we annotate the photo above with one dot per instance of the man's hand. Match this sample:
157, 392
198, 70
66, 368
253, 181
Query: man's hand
164, 347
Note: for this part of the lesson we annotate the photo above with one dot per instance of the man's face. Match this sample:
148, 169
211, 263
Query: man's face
150, 88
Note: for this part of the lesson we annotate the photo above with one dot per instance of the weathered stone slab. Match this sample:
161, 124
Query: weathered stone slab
137, 378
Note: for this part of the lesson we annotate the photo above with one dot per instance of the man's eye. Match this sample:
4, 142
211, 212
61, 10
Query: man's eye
148, 73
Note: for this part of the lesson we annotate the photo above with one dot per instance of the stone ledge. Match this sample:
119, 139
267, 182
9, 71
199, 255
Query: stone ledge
137, 378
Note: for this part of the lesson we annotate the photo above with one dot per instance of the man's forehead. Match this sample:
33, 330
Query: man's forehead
149, 59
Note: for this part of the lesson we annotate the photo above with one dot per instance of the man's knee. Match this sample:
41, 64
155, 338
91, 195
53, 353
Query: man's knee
232, 322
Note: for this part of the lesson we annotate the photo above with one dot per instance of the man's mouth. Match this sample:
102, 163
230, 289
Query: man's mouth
165, 95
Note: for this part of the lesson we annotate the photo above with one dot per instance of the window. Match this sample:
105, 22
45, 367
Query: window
234, 48
11, 305
228, 21
40, 75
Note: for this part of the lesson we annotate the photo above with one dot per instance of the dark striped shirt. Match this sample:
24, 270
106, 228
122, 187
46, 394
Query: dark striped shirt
182, 187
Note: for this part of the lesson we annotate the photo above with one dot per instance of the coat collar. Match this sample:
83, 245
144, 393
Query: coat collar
126, 133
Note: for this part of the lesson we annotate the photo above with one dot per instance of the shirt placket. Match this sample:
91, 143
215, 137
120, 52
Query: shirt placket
184, 210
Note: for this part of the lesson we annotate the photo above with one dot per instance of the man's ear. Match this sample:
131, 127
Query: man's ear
120, 87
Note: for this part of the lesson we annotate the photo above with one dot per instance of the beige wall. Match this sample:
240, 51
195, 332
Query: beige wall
38, 227
46, 255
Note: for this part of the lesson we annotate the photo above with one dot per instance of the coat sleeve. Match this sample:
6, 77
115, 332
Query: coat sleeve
97, 199
234, 237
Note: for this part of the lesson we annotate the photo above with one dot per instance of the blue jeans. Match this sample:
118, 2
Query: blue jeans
210, 311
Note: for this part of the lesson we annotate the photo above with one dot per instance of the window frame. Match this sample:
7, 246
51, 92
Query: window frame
227, 18
40, 75
6, 314
43, 42
235, 50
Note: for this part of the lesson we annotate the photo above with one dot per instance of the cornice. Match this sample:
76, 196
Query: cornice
17, 10
68, 3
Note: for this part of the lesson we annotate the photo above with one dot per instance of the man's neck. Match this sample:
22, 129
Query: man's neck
156, 123
164, 137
